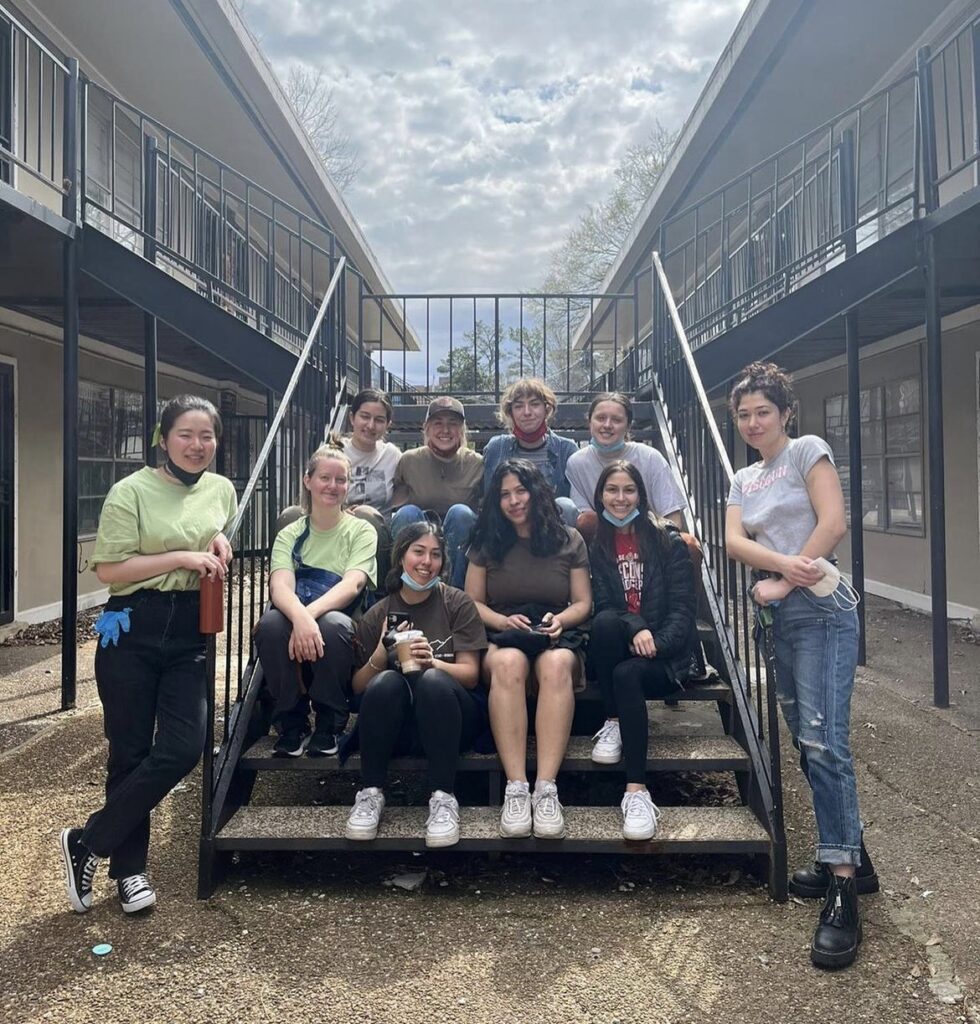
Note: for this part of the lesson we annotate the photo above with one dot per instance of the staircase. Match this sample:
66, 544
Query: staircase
257, 802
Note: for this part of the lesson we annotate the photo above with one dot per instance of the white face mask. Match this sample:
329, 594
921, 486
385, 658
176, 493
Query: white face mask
829, 583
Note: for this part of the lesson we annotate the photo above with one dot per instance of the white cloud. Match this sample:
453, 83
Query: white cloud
485, 130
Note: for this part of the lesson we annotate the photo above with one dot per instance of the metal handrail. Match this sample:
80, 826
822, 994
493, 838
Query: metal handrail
270, 437
698, 454
685, 346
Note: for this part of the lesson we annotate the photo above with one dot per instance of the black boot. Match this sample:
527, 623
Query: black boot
811, 883
838, 935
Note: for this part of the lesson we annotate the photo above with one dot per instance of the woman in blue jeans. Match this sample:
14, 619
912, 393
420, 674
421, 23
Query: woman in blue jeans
441, 481
784, 513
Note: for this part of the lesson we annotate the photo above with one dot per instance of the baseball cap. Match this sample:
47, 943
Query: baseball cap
445, 403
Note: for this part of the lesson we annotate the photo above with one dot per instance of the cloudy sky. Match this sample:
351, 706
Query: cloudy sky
485, 129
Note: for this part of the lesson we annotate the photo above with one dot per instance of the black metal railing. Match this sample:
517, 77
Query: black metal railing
33, 89
695, 447
473, 345
285, 440
769, 231
953, 86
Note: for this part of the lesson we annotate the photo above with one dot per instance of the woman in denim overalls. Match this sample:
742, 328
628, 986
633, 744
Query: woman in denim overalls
783, 513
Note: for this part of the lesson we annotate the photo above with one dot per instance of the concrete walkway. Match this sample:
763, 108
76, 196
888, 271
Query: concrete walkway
562, 939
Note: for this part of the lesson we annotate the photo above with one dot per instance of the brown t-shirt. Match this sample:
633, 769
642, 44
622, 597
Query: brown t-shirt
522, 578
448, 618
423, 479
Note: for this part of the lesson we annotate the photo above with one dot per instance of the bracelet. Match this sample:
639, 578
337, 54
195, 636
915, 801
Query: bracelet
377, 668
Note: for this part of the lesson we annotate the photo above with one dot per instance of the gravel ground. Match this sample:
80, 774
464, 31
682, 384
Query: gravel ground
536, 939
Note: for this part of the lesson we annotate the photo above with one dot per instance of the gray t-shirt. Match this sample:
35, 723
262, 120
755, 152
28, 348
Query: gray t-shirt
373, 478
776, 507
585, 467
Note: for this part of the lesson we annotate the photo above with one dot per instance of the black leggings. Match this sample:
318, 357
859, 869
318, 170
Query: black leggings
436, 716
627, 683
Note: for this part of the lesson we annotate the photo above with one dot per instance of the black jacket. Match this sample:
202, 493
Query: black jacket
668, 602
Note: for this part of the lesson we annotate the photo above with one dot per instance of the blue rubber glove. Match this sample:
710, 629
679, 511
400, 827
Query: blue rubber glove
109, 624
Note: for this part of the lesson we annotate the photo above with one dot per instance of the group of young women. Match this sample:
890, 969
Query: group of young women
434, 592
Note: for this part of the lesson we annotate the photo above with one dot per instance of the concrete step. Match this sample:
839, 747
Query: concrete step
667, 754
588, 829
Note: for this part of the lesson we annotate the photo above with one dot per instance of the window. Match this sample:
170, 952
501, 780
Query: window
891, 454
110, 445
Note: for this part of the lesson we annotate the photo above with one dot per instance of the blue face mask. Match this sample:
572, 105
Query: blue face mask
607, 449
625, 521
414, 585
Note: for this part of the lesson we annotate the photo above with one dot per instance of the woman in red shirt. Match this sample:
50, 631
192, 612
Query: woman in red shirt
643, 631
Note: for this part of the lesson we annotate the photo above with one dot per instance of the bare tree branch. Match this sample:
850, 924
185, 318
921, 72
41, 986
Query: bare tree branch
308, 91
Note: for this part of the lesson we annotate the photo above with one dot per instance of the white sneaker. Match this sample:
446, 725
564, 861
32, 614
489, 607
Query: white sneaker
549, 821
640, 815
608, 747
365, 815
515, 816
442, 828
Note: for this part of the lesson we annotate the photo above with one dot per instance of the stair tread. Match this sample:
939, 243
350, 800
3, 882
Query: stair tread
689, 753
679, 826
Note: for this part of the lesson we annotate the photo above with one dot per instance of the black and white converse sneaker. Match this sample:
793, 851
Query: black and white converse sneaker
80, 865
136, 893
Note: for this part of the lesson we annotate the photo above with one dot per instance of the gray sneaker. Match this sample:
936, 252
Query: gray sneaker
365, 815
515, 816
549, 820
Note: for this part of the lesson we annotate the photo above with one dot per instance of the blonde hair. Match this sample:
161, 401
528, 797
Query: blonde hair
330, 449
526, 387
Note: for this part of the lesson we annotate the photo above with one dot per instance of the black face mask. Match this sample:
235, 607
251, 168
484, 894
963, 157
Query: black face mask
187, 479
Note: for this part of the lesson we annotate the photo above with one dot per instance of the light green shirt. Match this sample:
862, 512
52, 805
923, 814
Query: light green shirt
351, 544
146, 515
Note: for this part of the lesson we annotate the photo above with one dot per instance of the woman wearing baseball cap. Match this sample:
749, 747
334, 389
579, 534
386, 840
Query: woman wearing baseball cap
441, 479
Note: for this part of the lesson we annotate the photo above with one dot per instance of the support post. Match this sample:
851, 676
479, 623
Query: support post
937, 477
69, 405
927, 131
856, 483
149, 386
150, 198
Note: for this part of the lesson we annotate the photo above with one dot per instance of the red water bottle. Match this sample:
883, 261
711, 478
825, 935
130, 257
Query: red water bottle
212, 613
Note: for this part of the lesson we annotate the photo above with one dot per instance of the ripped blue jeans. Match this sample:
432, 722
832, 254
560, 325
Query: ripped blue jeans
816, 646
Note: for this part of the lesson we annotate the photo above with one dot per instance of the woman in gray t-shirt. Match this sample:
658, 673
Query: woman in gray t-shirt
783, 513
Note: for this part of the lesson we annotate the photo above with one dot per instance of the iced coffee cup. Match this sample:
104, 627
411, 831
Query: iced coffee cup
403, 649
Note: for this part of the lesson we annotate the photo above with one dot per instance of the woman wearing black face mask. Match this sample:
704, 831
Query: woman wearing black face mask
160, 534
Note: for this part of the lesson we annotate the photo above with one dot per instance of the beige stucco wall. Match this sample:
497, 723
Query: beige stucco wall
39, 460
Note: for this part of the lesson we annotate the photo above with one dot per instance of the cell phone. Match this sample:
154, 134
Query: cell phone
393, 619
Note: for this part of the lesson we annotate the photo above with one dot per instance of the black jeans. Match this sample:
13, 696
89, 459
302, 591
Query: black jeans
627, 683
152, 687
437, 716
329, 678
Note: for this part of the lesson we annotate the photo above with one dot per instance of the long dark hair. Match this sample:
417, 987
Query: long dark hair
494, 534
652, 536
406, 538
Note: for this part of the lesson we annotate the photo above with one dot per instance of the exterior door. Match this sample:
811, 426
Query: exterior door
6, 493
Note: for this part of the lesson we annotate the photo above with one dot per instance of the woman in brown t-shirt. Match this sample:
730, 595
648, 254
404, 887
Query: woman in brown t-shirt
440, 708
529, 576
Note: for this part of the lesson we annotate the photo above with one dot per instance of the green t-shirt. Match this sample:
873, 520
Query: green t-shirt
146, 515
351, 544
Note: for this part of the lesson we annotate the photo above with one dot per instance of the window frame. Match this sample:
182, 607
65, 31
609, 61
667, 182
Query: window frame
113, 459
877, 397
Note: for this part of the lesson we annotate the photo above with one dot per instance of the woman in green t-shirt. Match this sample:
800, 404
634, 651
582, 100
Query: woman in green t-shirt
529, 576
438, 706
321, 564
160, 533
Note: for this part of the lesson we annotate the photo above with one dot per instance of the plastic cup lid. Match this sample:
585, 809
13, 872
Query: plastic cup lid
102, 948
